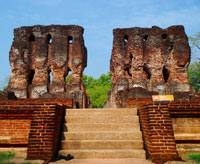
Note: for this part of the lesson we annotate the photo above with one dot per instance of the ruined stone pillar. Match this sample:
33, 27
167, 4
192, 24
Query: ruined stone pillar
39, 51
151, 59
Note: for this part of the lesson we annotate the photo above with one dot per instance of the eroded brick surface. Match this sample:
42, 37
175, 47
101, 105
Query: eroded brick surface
33, 123
39, 51
153, 59
164, 130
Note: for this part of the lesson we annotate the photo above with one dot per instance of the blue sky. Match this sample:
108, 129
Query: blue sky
98, 17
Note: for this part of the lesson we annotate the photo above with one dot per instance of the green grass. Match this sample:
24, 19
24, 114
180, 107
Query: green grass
194, 157
5, 156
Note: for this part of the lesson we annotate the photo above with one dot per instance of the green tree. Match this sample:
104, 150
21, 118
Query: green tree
97, 89
194, 75
195, 40
194, 68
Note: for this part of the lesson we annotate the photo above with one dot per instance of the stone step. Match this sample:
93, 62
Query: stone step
101, 112
103, 135
192, 129
103, 119
101, 144
188, 146
101, 126
125, 153
187, 136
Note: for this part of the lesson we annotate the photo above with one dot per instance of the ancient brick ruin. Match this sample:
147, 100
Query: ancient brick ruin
145, 61
148, 61
39, 51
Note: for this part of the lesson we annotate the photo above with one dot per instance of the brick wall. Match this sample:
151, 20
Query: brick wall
14, 125
186, 124
36, 123
136, 102
45, 132
158, 125
14, 132
60, 101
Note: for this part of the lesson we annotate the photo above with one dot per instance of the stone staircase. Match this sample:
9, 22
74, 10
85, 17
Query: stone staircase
187, 133
102, 133
184, 148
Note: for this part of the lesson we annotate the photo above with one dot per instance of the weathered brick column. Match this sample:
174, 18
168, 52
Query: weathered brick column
148, 61
45, 132
158, 132
41, 57
33, 123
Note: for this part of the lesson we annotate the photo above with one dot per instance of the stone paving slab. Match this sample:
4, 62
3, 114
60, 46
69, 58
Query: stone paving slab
104, 161
97, 161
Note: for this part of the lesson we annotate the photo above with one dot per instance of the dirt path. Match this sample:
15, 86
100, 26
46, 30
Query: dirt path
97, 161
115, 161
104, 161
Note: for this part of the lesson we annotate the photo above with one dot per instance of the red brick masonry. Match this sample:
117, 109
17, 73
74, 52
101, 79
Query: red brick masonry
157, 127
36, 123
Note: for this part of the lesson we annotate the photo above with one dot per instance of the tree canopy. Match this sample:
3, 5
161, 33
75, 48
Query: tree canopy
194, 68
195, 40
194, 75
97, 89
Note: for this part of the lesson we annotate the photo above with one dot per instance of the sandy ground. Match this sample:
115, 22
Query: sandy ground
22, 160
104, 161
115, 161
97, 161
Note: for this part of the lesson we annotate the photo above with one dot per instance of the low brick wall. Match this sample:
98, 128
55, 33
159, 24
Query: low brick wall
33, 123
14, 132
158, 135
136, 102
14, 125
158, 127
45, 132
186, 124
59, 101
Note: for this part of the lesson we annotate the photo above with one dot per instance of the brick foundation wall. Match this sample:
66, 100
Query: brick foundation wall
186, 124
60, 101
14, 132
136, 102
158, 126
14, 125
36, 123
45, 132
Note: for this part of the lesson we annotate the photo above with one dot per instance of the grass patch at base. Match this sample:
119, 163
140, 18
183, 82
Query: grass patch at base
6, 156
194, 157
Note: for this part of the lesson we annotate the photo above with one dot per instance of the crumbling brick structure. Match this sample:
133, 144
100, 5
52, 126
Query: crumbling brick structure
38, 51
35, 124
167, 130
148, 61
